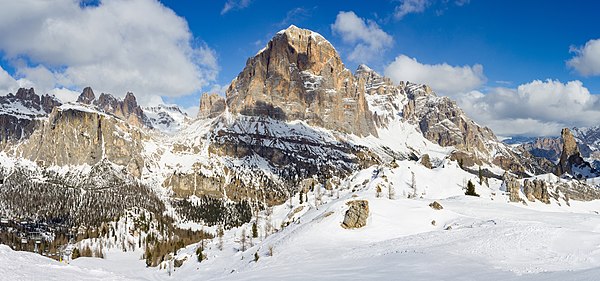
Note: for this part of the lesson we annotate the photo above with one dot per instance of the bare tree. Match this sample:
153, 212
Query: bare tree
243, 240
414, 185
318, 196
220, 234
391, 192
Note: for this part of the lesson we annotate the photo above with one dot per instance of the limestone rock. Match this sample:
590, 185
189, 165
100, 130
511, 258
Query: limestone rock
536, 189
126, 109
73, 137
87, 96
571, 157
436, 206
425, 161
513, 187
300, 76
356, 216
211, 105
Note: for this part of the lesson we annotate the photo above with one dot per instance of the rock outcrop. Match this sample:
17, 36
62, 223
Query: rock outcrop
436, 205
571, 161
300, 76
211, 105
87, 96
425, 161
512, 186
357, 214
127, 109
536, 189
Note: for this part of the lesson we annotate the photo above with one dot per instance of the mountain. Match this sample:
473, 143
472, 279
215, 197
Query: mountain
300, 76
296, 130
546, 147
587, 140
18, 113
166, 118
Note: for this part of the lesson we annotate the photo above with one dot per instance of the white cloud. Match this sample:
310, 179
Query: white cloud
537, 108
442, 78
366, 36
115, 47
8, 84
587, 58
410, 6
234, 5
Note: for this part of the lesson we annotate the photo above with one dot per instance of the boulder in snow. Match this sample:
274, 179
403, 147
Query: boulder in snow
357, 214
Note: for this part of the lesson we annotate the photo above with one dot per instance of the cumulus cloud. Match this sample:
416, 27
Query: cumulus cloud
587, 58
409, 7
538, 108
234, 5
115, 46
366, 36
442, 78
8, 84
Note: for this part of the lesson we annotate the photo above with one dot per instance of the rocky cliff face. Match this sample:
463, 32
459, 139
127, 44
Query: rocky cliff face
300, 76
72, 136
211, 105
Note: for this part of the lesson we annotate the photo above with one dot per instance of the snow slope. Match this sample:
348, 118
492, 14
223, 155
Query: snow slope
473, 238
30, 266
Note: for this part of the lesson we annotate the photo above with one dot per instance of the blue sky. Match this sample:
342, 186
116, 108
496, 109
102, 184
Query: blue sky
512, 65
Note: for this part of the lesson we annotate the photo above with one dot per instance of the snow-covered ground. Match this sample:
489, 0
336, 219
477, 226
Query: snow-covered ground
30, 266
473, 238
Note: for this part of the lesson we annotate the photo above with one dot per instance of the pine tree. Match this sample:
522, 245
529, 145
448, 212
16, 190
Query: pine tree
75, 254
148, 256
300, 195
199, 254
414, 184
480, 173
254, 230
256, 257
471, 189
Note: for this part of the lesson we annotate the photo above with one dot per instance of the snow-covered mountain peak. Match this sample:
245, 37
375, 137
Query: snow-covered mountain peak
167, 118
